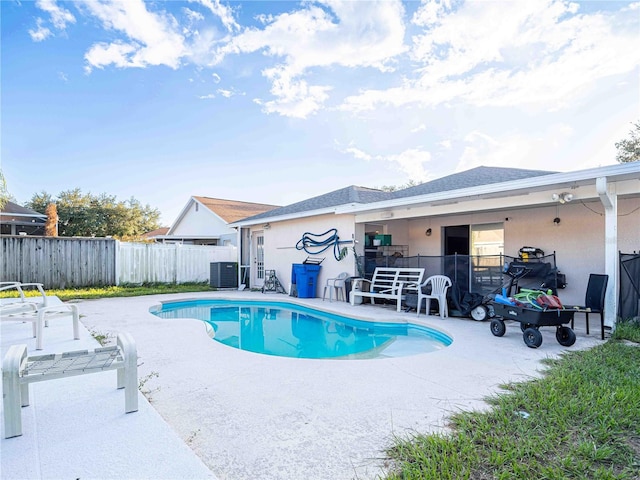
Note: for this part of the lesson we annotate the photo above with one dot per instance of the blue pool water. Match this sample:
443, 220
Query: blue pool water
289, 330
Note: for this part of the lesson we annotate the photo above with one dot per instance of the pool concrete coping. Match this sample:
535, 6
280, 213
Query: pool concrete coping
213, 411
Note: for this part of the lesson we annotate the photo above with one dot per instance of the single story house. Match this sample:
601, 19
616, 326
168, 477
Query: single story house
18, 220
205, 221
585, 218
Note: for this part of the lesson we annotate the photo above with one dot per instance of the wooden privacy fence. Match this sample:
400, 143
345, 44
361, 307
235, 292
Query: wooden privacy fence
60, 262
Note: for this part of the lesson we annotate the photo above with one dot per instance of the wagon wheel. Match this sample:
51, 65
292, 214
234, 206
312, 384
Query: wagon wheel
497, 327
524, 326
532, 337
565, 336
479, 313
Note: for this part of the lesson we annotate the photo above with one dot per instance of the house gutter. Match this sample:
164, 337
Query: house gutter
503, 189
28, 215
289, 216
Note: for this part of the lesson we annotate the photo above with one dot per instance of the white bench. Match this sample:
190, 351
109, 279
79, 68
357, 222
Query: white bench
19, 370
389, 284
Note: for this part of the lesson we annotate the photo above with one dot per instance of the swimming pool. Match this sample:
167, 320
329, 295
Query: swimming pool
289, 330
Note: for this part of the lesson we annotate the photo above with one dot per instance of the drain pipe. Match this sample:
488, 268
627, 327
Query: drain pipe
609, 200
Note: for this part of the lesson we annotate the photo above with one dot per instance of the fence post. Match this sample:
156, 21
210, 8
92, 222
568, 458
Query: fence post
117, 262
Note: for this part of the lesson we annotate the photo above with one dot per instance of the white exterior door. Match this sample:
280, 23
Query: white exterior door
257, 251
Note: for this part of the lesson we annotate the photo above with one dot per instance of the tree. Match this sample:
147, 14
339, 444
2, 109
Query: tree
395, 188
4, 193
86, 215
629, 148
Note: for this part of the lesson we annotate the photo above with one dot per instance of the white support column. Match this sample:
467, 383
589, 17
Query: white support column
239, 255
609, 200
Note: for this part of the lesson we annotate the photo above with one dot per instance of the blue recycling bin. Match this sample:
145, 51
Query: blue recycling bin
305, 277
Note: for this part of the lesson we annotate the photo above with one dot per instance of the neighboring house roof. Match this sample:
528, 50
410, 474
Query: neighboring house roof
219, 211
232, 210
470, 178
156, 233
14, 213
347, 195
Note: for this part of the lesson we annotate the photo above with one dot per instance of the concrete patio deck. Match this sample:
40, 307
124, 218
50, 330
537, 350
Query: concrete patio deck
251, 416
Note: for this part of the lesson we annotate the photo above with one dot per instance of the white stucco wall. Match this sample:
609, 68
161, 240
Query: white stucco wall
280, 247
578, 240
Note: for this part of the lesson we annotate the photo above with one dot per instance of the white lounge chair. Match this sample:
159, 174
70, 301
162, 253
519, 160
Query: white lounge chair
40, 319
38, 312
22, 303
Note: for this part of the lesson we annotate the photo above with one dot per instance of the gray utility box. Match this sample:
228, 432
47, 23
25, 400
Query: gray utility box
224, 275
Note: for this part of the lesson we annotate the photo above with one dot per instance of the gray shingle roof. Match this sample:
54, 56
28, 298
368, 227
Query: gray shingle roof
344, 196
470, 178
14, 208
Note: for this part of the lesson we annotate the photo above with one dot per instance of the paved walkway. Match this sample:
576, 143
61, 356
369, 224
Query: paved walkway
250, 416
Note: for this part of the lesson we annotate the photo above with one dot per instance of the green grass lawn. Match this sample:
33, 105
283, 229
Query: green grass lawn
119, 291
580, 421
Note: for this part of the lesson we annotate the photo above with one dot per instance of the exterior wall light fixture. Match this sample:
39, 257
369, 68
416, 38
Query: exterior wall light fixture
564, 197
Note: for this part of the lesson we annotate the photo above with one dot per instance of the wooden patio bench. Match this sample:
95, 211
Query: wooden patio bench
388, 284
19, 370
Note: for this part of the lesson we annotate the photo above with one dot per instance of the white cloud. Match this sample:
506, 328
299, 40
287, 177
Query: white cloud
221, 11
410, 162
357, 153
210, 96
116, 53
40, 33
60, 17
539, 53
325, 34
152, 38
294, 98
229, 93
430, 12
63, 76
544, 150
445, 144
420, 128
216, 78
192, 15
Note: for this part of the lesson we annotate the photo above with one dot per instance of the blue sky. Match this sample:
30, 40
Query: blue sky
275, 102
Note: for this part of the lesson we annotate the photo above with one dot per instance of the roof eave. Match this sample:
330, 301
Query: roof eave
503, 189
281, 218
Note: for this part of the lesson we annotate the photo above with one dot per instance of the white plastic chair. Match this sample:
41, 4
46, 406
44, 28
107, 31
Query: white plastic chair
439, 286
337, 284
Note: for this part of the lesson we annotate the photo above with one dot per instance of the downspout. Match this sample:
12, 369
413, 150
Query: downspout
609, 200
